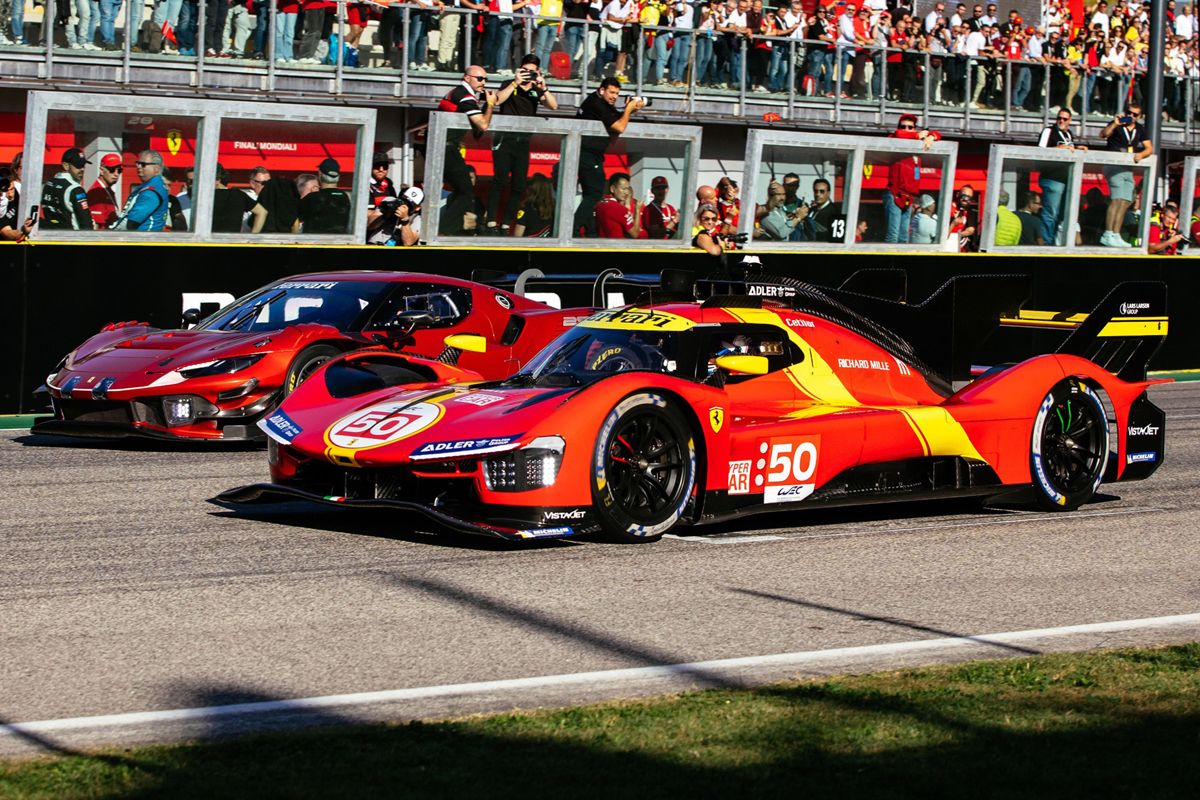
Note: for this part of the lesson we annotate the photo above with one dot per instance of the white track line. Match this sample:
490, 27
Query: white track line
787, 660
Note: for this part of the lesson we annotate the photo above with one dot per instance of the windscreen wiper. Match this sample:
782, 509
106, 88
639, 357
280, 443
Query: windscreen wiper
251, 312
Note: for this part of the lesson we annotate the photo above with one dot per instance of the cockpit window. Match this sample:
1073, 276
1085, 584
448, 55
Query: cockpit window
583, 354
448, 305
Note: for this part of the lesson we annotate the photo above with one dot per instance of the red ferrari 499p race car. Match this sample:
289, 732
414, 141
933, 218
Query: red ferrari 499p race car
769, 395
217, 379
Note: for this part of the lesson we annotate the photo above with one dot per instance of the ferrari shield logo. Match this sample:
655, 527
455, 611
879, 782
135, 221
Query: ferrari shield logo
174, 141
716, 418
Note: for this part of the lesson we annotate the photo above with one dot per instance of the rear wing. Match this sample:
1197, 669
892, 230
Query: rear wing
1121, 334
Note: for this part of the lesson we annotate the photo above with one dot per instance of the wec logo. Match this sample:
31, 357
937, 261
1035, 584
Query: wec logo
1144, 430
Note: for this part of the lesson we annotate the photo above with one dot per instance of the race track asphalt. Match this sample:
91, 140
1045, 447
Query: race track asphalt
123, 590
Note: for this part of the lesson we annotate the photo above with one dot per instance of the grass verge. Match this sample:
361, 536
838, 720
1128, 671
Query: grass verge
1122, 723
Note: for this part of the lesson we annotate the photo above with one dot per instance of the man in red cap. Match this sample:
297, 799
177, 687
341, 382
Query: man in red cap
659, 218
102, 198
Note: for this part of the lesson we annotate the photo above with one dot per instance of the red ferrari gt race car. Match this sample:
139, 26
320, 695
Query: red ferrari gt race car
217, 379
770, 394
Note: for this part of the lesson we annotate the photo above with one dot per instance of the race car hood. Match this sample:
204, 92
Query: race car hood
427, 424
156, 351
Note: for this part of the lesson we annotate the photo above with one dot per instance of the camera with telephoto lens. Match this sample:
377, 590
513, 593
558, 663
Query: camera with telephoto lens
527, 74
646, 101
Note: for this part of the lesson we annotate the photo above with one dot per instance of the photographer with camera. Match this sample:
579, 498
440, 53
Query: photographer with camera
1165, 237
520, 97
399, 220
600, 105
1124, 135
707, 235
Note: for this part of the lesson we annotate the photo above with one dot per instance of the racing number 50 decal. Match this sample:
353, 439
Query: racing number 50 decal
786, 468
382, 424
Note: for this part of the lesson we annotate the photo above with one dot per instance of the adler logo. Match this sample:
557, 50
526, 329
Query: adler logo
761, 290
1131, 309
1144, 430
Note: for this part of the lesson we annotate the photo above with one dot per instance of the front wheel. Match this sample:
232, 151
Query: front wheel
306, 363
643, 469
1069, 448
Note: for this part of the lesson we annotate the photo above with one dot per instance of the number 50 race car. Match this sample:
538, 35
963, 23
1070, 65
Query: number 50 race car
774, 395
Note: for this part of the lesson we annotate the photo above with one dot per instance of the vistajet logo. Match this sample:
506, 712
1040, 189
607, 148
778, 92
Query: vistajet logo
557, 516
1144, 430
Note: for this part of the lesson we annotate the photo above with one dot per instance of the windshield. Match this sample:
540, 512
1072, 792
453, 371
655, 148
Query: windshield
584, 354
336, 303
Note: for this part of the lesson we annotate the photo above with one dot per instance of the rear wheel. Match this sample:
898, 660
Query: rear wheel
1069, 449
643, 469
306, 363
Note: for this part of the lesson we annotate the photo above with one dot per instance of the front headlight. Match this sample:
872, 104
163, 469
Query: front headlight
534, 466
222, 366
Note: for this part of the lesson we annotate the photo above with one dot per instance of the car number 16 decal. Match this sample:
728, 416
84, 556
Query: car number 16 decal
786, 467
382, 424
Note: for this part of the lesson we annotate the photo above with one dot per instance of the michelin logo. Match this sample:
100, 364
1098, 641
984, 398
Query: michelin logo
280, 427
1141, 458
464, 447
543, 533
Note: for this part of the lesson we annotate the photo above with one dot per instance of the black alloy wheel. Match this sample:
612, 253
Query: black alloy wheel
1069, 451
306, 363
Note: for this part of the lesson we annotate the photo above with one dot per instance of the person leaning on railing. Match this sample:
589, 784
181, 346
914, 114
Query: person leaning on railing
706, 233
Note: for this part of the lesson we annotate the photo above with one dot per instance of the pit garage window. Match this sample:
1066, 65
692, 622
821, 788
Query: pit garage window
448, 305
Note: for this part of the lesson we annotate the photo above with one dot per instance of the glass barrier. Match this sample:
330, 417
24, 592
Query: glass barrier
285, 177
803, 192
1052, 199
854, 191
118, 172
118, 167
555, 181
1189, 201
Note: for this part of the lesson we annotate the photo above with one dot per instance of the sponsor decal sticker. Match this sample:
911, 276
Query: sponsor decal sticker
382, 424
1131, 309
864, 363
637, 319
462, 447
793, 322
280, 427
1144, 430
769, 290
503, 301
70, 385
739, 477
564, 516
308, 285
541, 533
786, 469
716, 418
478, 398
1141, 458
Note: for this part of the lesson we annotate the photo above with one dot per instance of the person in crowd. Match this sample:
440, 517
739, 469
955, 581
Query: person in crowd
618, 36
64, 201
792, 24
10, 231
600, 105
728, 203
230, 206
618, 214
777, 224
964, 218
762, 49
476, 216
148, 205
904, 180
1123, 135
1008, 224
683, 20
471, 99
101, 197
1052, 178
520, 97
706, 232
1031, 222
1165, 237
925, 221
277, 207
381, 186
660, 219
846, 43
655, 14
536, 217
327, 209
706, 194
823, 220
819, 57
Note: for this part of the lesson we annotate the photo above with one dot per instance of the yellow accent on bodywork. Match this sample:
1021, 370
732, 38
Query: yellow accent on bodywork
637, 319
1134, 326
939, 433
470, 342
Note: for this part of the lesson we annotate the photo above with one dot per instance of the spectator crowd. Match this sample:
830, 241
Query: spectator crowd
980, 54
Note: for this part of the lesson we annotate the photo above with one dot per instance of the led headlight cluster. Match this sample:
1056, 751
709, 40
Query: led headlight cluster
532, 467
185, 408
222, 366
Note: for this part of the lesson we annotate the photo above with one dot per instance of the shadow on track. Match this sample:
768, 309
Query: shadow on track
134, 444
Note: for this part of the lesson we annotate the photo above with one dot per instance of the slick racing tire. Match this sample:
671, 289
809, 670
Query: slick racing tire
1069, 448
616, 358
643, 469
306, 363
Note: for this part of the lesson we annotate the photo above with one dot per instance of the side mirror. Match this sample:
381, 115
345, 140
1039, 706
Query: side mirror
744, 365
409, 321
470, 342
191, 317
